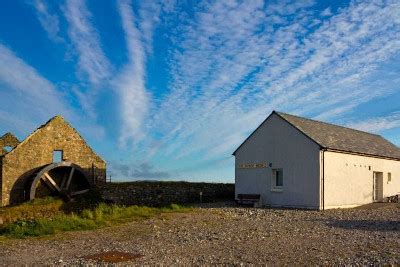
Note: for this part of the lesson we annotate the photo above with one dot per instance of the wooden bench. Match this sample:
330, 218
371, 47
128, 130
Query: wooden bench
249, 199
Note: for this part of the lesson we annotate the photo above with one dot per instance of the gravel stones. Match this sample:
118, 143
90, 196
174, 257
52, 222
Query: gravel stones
224, 234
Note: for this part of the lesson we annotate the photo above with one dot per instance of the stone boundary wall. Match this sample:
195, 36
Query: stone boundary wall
158, 193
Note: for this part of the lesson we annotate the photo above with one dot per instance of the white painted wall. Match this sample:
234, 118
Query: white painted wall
349, 182
279, 143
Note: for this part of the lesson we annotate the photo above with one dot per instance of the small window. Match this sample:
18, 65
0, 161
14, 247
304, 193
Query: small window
277, 179
389, 178
57, 155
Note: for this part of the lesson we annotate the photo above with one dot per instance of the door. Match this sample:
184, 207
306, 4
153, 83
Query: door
377, 186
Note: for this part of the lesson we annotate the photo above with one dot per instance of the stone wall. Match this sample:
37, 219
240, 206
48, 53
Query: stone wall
36, 151
164, 193
1, 180
7, 140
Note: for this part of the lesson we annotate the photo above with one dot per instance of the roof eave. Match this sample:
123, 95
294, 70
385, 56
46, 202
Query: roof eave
360, 154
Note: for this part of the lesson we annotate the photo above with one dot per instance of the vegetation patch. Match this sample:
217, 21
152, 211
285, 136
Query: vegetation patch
48, 208
62, 219
39, 208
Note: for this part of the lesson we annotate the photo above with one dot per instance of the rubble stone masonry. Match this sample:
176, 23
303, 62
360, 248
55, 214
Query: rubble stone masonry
157, 193
7, 140
36, 151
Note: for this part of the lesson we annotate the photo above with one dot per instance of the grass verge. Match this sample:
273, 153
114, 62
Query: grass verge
100, 216
39, 208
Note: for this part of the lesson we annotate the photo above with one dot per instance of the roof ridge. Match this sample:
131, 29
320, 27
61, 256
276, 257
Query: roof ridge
36, 130
337, 137
330, 124
48, 122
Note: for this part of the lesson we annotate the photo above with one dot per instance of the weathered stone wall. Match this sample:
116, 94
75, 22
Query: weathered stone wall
164, 193
7, 140
37, 151
1, 180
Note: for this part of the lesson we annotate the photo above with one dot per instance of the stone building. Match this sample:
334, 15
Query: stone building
53, 160
7, 143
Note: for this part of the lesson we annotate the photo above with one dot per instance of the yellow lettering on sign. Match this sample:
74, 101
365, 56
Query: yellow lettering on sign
252, 165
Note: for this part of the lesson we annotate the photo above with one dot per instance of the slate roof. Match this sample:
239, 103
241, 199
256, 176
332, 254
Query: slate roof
334, 137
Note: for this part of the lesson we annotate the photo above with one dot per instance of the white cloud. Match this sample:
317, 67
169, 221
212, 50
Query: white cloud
50, 22
95, 70
232, 63
25, 93
131, 83
27, 99
149, 13
92, 61
327, 12
232, 67
378, 124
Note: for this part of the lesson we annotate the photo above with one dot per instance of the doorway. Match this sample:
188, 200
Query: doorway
377, 186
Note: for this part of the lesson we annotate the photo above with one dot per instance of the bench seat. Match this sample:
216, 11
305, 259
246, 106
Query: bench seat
249, 199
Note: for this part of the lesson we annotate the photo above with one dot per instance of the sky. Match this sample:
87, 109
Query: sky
167, 90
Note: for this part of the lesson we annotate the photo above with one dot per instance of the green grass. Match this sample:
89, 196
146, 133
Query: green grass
39, 208
102, 215
48, 208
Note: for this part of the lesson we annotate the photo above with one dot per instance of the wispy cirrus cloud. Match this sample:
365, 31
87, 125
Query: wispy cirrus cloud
92, 60
28, 99
237, 61
131, 83
222, 51
378, 124
94, 68
139, 23
30, 91
49, 20
225, 66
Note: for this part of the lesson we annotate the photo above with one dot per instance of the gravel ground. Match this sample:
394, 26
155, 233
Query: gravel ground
223, 234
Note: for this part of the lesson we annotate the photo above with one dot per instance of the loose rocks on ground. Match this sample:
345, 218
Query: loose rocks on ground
224, 234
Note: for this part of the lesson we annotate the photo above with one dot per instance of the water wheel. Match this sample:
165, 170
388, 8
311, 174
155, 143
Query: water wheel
64, 179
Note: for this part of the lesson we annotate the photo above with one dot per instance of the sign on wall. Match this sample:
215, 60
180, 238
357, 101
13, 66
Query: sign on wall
252, 165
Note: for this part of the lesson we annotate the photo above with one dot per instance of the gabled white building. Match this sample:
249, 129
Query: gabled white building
297, 162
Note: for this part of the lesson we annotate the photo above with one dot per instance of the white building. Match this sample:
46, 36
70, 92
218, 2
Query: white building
296, 162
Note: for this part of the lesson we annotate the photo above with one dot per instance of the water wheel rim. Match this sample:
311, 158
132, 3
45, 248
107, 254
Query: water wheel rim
62, 190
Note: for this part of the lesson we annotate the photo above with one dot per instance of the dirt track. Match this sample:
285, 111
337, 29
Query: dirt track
229, 235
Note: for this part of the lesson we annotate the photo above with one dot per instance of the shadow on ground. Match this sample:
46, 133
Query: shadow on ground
376, 205
365, 225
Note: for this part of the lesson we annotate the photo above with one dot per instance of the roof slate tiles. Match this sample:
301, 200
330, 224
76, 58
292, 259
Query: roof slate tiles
344, 139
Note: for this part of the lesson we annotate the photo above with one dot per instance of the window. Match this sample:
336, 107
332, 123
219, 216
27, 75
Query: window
389, 181
57, 155
277, 180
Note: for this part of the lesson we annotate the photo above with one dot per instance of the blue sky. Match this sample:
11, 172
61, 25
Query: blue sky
167, 90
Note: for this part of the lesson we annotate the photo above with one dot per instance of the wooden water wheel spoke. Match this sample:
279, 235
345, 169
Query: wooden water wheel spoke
70, 177
72, 194
64, 179
48, 180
